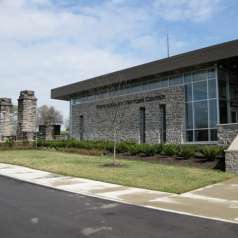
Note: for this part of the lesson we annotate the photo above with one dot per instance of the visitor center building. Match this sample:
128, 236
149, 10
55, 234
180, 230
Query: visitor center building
187, 98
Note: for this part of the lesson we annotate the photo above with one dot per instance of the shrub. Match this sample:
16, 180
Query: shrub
147, 150
211, 152
124, 147
9, 142
186, 151
144, 149
158, 149
134, 149
169, 149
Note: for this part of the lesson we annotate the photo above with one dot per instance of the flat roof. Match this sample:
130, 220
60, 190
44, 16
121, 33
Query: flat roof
190, 59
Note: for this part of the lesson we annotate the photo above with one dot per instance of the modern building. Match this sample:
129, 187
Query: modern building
187, 98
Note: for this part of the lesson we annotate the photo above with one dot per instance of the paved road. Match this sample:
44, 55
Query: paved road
32, 211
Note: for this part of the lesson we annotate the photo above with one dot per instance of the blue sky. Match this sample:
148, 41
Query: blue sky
49, 43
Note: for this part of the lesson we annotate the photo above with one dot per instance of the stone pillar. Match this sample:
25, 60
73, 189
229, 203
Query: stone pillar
26, 123
232, 156
6, 126
232, 161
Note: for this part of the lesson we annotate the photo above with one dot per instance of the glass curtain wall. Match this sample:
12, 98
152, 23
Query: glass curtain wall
228, 96
201, 106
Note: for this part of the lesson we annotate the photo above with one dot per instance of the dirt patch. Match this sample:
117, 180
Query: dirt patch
116, 165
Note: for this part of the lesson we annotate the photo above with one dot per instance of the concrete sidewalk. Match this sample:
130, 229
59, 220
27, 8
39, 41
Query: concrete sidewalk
218, 202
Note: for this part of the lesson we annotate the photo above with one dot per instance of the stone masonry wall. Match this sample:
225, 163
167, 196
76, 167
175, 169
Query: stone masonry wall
98, 122
26, 125
227, 133
232, 161
6, 126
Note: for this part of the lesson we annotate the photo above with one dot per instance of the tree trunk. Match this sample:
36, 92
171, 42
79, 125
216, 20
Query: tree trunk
114, 146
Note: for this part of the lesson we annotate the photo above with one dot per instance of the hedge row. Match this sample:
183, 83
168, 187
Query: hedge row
210, 152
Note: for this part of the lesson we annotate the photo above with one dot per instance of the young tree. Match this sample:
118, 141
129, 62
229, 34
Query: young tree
49, 116
115, 111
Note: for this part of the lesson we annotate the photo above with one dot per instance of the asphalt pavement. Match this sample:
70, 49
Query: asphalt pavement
28, 210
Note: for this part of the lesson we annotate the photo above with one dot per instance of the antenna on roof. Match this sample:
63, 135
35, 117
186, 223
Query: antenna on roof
168, 46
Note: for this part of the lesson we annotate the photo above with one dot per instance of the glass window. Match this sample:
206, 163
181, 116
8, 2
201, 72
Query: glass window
213, 113
189, 136
200, 90
233, 86
201, 135
176, 80
201, 114
212, 88
234, 117
223, 112
222, 89
199, 76
187, 78
189, 115
188, 92
213, 134
164, 83
156, 85
211, 74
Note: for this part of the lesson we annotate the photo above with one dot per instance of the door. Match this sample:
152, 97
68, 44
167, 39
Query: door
162, 124
142, 125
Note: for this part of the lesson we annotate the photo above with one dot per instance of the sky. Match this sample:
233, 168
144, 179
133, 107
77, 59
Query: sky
45, 44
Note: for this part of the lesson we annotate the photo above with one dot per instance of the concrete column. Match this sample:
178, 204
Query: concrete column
6, 126
26, 123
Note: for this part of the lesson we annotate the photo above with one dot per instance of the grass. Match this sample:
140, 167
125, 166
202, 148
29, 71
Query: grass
133, 173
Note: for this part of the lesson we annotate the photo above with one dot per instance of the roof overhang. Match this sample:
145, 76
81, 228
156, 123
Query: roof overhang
212, 54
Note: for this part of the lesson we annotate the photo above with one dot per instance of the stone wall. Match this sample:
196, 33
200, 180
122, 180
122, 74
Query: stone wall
49, 132
232, 161
26, 125
227, 133
97, 117
6, 123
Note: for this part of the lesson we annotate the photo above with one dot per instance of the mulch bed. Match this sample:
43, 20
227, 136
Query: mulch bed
197, 162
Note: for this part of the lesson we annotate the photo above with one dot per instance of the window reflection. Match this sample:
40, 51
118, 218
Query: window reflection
228, 96
201, 114
200, 90
189, 115
213, 113
201, 135
200, 75
188, 92
212, 88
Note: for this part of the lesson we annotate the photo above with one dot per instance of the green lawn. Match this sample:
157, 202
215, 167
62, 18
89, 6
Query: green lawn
133, 173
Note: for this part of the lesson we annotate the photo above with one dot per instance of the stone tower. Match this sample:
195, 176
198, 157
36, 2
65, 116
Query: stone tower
26, 123
6, 127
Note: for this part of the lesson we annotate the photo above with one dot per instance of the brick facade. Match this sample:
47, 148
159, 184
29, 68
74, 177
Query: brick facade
97, 122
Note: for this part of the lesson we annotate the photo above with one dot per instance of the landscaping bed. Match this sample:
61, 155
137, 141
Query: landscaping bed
196, 162
199, 156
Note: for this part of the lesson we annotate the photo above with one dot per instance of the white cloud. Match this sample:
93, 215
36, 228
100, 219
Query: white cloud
194, 10
43, 46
